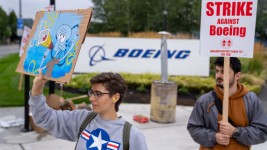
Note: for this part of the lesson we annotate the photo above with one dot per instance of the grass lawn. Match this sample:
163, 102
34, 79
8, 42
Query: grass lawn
9, 81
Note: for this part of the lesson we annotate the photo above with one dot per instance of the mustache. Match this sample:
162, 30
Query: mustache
219, 79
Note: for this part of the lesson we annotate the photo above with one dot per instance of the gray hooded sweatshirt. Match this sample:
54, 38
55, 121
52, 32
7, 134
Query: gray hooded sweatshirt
100, 134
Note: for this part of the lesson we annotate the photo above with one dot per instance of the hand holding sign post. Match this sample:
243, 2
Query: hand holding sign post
230, 25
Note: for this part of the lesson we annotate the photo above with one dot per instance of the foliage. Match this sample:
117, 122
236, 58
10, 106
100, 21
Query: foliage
3, 24
8, 25
250, 79
187, 17
183, 91
12, 21
142, 88
128, 16
145, 15
186, 84
9, 94
261, 28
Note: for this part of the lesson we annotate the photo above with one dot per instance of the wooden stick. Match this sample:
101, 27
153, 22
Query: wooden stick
77, 97
226, 88
20, 81
61, 89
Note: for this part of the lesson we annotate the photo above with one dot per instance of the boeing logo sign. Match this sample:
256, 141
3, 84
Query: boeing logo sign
150, 53
97, 54
134, 55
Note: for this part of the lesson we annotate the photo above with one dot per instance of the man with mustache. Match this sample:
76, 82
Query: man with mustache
247, 121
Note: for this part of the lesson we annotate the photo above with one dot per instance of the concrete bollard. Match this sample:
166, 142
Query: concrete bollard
163, 101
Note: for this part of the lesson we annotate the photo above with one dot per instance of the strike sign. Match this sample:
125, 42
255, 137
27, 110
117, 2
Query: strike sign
228, 28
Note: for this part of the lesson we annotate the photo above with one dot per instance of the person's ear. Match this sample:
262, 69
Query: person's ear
238, 75
114, 100
115, 97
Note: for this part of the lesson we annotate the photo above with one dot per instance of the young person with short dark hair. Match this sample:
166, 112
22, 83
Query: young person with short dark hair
105, 130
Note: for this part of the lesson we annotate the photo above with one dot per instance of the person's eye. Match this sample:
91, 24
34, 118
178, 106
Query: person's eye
98, 94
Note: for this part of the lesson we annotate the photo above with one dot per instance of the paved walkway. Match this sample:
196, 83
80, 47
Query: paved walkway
173, 136
8, 49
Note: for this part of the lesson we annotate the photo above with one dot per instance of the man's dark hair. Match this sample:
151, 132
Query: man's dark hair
113, 82
235, 63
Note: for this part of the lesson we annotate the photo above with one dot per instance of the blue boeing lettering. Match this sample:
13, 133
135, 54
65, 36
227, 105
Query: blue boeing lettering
121, 52
151, 53
170, 54
135, 53
148, 53
157, 54
182, 54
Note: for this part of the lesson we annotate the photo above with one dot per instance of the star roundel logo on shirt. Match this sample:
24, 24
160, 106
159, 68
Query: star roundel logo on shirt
99, 140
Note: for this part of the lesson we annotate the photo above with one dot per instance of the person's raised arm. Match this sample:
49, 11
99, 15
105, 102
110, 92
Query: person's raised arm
38, 84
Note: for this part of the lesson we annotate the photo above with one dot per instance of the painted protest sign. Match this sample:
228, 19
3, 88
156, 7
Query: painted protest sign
24, 40
228, 28
55, 43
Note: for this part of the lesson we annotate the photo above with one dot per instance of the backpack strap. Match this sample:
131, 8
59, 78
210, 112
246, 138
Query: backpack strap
218, 104
86, 121
126, 135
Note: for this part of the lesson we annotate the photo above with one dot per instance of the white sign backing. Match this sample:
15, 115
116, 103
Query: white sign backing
134, 55
228, 28
24, 40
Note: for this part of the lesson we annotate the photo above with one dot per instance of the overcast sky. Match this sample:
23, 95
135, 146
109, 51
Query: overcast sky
30, 7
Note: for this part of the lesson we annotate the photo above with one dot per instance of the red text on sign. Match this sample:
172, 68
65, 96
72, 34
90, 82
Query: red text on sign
227, 21
229, 8
228, 31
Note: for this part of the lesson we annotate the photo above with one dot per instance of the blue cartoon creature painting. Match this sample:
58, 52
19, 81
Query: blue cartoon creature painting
53, 46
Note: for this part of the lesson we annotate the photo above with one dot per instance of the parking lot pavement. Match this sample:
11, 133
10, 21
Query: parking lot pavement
159, 136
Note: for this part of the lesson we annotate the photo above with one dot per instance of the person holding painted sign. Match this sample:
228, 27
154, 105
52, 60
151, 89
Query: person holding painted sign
101, 128
247, 121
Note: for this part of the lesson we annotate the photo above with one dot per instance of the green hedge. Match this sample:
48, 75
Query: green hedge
186, 84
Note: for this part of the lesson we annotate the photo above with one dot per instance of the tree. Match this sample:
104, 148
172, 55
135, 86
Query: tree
187, 17
3, 24
261, 27
154, 14
112, 14
12, 21
146, 15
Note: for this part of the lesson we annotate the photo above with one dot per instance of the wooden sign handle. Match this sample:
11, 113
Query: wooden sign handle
226, 88
20, 81
77, 97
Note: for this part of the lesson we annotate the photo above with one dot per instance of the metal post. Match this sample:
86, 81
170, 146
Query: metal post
52, 84
52, 2
26, 89
20, 14
26, 104
164, 57
165, 20
164, 92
